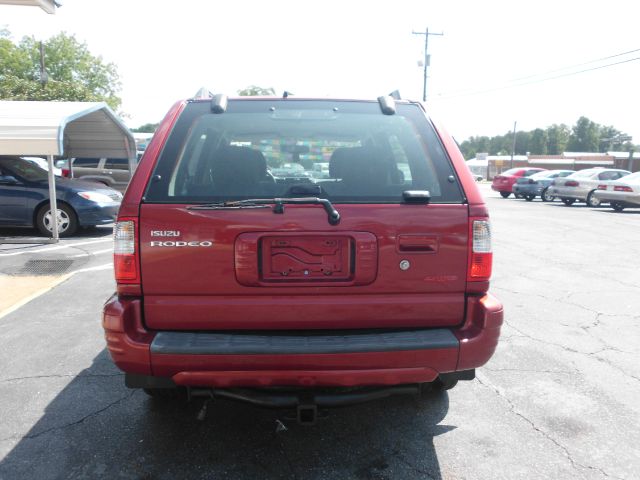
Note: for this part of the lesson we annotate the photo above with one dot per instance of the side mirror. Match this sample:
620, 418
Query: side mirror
8, 180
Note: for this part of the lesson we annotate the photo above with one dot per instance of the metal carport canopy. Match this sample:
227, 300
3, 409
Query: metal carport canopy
71, 129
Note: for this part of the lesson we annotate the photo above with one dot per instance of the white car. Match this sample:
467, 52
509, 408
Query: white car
582, 185
621, 194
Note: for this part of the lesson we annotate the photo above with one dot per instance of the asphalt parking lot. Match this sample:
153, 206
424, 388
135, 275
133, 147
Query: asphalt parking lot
558, 400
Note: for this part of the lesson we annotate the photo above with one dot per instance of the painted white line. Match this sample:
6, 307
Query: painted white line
80, 255
33, 296
98, 252
59, 247
106, 266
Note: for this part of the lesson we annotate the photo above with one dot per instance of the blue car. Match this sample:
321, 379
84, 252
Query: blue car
24, 199
538, 184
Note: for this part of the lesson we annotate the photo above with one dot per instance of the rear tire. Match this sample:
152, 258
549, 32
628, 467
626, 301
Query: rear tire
592, 200
504, 194
568, 201
618, 207
441, 385
546, 196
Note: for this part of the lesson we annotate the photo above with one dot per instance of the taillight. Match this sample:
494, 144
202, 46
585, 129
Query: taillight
125, 253
602, 187
622, 188
480, 252
66, 172
571, 183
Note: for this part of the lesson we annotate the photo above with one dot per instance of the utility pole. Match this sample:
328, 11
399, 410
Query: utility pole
426, 34
44, 78
513, 146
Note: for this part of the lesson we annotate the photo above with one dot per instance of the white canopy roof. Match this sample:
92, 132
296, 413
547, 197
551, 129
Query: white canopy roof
71, 129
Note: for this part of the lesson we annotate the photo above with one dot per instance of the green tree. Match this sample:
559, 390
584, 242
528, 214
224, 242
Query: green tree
557, 138
146, 128
585, 136
73, 73
253, 91
539, 140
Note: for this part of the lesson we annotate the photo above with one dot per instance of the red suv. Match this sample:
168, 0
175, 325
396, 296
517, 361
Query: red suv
297, 291
504, 182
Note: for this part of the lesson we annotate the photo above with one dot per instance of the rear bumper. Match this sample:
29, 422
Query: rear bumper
503, 187
343, 359
621, 197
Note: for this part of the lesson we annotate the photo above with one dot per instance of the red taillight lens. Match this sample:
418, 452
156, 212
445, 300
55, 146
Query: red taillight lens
66, 172
571, 183
125, 253
622, 188
480, 251
602, 187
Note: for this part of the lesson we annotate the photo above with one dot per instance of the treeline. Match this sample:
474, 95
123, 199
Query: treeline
584, 136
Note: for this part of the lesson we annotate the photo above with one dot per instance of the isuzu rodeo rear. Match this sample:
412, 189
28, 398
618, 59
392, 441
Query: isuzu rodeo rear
238, 278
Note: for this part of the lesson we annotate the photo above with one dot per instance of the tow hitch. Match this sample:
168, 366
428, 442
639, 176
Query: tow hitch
307, 415
305, 403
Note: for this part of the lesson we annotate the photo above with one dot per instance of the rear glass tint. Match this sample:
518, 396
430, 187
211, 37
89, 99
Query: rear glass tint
348, 152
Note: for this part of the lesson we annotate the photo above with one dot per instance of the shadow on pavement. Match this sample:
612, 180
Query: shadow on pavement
624, 212
96, 428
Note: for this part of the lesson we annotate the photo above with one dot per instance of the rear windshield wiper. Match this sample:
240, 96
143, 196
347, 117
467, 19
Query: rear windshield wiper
278, 205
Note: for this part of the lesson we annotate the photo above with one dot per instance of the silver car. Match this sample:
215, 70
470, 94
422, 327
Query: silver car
582, 185
621, 194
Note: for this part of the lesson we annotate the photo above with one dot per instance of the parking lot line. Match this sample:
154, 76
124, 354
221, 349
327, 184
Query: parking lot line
59, 247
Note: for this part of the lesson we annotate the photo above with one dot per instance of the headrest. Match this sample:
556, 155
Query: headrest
238, 165
359, 164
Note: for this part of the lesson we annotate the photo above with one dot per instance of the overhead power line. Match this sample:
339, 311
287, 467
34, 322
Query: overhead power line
518, 82
576, 65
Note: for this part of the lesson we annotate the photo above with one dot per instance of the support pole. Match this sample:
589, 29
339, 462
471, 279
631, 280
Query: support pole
53, 204
513, 145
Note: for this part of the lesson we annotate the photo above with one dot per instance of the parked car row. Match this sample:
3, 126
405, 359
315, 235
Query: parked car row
594, 186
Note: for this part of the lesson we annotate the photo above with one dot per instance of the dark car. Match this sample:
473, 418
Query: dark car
503, 183
369, 283
538, 184
24, 199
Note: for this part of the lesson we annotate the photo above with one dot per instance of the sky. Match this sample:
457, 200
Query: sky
166, 50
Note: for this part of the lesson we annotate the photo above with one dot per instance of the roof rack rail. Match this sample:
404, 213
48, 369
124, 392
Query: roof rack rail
203, 93
219, 103
387, 105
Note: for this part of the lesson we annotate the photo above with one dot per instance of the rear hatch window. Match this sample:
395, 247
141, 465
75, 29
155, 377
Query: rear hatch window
348, 152
386, 264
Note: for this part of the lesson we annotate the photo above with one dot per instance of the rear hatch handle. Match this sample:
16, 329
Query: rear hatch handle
278, 205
